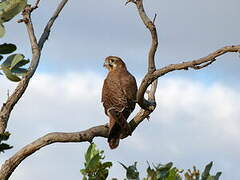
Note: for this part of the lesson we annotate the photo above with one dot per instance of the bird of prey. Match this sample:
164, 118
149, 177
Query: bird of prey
118, 98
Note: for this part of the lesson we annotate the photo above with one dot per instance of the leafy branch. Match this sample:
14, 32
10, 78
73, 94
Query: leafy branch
94, 168
13, 65
3, 146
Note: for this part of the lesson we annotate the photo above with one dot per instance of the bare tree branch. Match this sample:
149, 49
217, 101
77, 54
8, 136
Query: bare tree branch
47, 29
195, 64
36, 53
36, 4
59, 137
20, 89
143, 103
10, 165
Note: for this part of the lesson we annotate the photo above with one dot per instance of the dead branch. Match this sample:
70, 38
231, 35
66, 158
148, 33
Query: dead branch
10, 165
195, 64
36, 5
50, 23
59, 137
149, 104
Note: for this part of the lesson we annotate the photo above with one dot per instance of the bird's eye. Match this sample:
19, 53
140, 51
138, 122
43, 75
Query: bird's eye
111, 60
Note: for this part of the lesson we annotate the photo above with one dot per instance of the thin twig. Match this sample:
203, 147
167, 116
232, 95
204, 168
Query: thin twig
49, 25
155, 16
190, 64
197, 67
36, 5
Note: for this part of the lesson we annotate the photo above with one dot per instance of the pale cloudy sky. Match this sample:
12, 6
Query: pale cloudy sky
197, 119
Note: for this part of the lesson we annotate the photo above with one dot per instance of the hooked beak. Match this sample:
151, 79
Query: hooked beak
106, 64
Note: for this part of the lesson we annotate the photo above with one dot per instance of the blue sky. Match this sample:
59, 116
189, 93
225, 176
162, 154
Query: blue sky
197, 119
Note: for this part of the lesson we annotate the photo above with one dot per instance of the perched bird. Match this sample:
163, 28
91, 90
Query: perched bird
118, 98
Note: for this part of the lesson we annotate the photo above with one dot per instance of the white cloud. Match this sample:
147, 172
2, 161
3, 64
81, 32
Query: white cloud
194, 123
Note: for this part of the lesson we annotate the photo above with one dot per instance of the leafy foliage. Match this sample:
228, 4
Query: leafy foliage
94, 168
2, 30
131, 171
162, 172
8, 10
195, 174
159, 172
3, 146
12, 66
168, 172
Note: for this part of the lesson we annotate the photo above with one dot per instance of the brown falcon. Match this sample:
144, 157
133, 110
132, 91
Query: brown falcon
119, 98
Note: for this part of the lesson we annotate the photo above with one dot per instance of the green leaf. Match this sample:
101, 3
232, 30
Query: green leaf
10, 75
216, 177
21, 63
12, 59
150, 172
89, 152
83, 171
107, 165
2, 30
4, 147
10, 8
93, 162
206, 171
17, 59
166, 166
19, 71
4, 136
7, 48
132, 172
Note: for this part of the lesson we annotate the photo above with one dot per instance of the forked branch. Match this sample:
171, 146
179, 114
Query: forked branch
36, 53
195, 64
10, 165
23, 84
149, 104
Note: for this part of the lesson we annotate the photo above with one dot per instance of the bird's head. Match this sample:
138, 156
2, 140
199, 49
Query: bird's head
113, 63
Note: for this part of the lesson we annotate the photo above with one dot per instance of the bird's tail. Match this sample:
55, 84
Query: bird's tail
118, 126
114, 133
